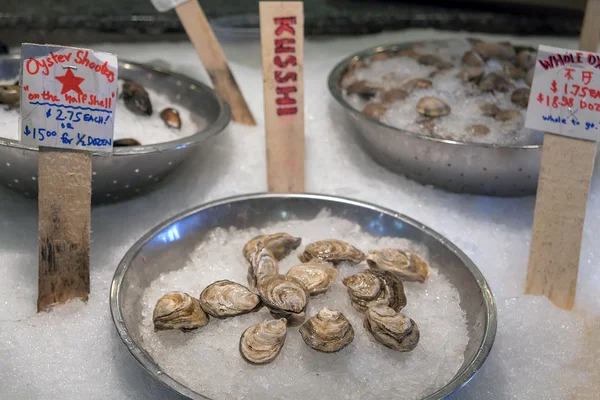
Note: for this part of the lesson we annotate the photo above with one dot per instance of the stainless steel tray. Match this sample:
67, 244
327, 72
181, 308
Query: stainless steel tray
159, 252
456, 166
130, 170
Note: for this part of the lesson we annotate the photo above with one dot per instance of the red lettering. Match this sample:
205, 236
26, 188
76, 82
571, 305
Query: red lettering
287, 111
280, 45
290, 60
28, 66
290, 76
33, 96
284, 25
286, 99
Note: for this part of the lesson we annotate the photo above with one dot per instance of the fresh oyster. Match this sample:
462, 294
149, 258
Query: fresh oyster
489, 109
136, 98
500, 51
513, 71
126, 142
435, 61
262, 263
317, 277
415, 83
496, 82
473, 59
10, 95
225, 298
262, 343
391, 328
333, 251
283, 294
526, 59
432, 107
280, 244
370, 287
392, 95
406, 265
363, 88
520, 97
177, 310
469, 74
506, 115
171, 118
479, 130
328, 331
375, 110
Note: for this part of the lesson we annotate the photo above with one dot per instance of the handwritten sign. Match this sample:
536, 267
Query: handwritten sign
282, 45
68, 97
565, 94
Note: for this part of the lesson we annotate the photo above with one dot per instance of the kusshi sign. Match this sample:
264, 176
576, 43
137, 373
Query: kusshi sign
68, 97
285, 66
565, 93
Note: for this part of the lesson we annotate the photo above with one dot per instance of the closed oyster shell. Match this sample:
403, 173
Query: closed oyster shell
262, 343
496, 82
391, 328
225, 298
363, 88
262, 263
520, 97
283, 293
328, 331
406, 265
177, 310
280, 244
370, 287
317, 277
499, 51
432, 107
333, 251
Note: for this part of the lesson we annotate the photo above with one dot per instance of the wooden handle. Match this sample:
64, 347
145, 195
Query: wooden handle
64, 180
282, 44
563, 188
213, 59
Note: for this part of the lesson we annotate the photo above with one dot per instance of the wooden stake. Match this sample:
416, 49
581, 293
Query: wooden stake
213, 59
282, 43
64, 180
563, 188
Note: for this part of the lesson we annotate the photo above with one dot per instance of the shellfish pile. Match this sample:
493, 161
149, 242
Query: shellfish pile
377, 292
465, 90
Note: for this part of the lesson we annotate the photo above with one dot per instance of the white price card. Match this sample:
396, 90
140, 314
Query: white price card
565, 93
68, 97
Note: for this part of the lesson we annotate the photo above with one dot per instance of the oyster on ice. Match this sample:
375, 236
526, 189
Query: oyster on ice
280, 244
391, 328
262, 263
283, 294
364, 89
262, 343
327, 331
333, 251
370, 287
177, 310
225, 298
316, 276
406, 265
432, 107
136, 98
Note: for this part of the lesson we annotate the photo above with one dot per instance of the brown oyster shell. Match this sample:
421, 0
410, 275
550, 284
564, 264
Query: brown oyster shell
391, 328
333, 251
327, 331
177, 310
262, 343
223, 299
406, 265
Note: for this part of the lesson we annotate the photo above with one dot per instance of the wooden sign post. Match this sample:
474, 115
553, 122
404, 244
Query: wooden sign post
282, 43
68, 99
211, 55
567, 161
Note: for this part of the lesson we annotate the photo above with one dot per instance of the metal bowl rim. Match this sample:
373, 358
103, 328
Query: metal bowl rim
222, 120
336, 74
491, 318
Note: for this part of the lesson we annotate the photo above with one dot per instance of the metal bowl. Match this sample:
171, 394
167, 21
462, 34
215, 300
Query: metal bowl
129, 170
456, 166
168, 247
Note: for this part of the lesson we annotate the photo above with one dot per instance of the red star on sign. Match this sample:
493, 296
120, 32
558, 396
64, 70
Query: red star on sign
70, 82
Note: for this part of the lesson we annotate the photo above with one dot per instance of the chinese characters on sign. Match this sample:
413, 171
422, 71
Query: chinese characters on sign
565, 94
68, 98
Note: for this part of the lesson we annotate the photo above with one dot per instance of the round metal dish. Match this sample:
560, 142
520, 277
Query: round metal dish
168, 246
129, 170
456, 166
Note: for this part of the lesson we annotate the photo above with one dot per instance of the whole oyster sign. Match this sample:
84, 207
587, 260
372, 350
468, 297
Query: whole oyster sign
68, 97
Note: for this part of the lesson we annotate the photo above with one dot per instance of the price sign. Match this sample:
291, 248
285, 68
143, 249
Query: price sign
565, 94
68, 97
